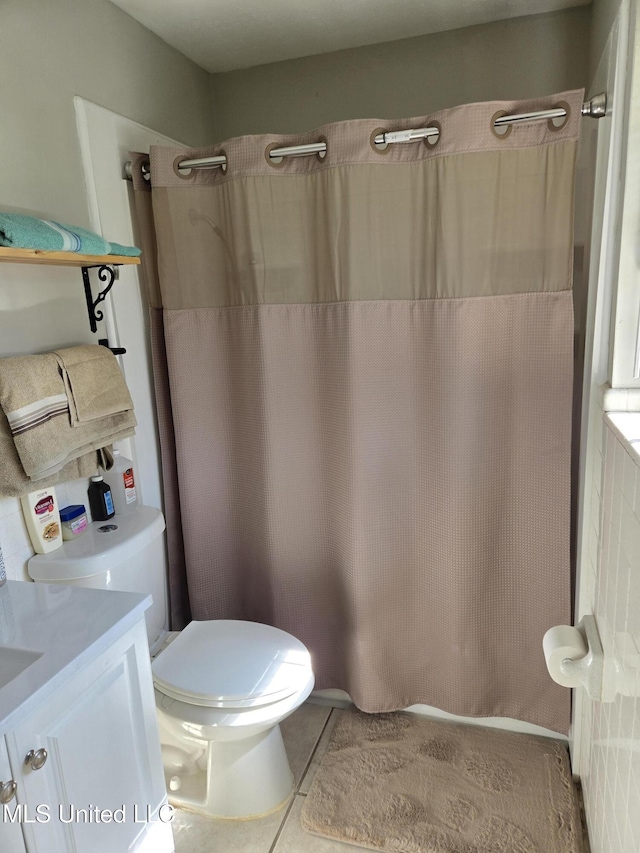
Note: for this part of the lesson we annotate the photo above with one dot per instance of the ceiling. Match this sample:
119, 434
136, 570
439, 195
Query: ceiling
223, 35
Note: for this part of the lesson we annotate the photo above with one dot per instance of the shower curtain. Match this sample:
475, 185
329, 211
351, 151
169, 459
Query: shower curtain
363, 366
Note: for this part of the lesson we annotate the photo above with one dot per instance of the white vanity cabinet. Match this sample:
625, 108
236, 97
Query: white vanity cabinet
85, 753
11, 839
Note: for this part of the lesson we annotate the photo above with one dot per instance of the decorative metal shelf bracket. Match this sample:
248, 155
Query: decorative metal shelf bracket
107, 274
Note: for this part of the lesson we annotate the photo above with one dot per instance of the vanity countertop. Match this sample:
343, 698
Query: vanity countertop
65, 626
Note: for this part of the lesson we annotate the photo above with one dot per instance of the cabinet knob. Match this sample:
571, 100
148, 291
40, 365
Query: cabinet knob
36, 758
7, 791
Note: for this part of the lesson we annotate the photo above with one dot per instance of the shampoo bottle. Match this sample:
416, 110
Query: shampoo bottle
42, 516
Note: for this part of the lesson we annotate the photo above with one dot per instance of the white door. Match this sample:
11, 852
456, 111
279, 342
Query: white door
11, 840
102, 779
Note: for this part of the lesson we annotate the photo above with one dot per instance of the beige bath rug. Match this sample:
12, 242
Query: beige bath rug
405, 784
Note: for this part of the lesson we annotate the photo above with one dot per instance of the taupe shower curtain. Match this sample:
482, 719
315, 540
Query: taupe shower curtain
363, 367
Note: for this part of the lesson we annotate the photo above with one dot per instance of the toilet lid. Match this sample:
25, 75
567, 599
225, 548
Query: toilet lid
232, 664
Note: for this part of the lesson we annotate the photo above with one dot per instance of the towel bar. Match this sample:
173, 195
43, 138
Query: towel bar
104, 342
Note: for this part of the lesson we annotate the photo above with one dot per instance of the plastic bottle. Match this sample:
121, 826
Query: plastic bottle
123, 484
73, 519
100, 499
41, 514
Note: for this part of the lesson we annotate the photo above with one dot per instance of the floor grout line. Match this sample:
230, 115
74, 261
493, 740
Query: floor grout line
296, 792
313, 752
282, 823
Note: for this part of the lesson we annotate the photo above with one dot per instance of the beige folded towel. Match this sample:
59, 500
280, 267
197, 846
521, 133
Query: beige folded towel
15, 483
35, 402
93, 383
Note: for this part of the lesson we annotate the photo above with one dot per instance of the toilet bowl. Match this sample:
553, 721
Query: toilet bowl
222, 687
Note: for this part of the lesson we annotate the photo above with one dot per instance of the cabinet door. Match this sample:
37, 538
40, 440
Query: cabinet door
11, 840
102, 782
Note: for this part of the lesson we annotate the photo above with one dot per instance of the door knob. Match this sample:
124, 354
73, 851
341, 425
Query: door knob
36, 758
7, 791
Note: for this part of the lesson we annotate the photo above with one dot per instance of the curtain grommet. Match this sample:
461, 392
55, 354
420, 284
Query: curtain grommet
185, 175
322, 156
436, 140
379, 148
561, 105
502, 131
275, 163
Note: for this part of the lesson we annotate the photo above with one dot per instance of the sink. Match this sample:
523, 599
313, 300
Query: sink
14, 661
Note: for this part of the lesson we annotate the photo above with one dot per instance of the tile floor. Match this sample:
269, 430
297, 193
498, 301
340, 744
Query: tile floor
306, 734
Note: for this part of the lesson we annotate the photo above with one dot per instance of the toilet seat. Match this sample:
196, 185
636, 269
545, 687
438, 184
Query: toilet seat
232, 664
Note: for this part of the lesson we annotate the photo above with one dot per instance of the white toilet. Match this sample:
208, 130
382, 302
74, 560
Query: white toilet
222, 686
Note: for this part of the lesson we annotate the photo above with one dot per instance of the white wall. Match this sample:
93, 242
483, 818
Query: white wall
520, 58
49, 52
603, 15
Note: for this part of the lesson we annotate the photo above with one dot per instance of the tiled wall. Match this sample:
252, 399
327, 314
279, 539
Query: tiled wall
610, 741
14, 538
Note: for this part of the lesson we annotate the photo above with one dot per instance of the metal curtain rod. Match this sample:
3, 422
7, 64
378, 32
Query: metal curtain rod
595, 108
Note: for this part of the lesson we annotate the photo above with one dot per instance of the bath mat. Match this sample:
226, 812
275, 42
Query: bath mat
401, 783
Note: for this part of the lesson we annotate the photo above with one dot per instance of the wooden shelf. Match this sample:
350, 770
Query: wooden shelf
62, 259
107, 274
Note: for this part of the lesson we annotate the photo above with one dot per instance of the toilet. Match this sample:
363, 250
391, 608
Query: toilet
222, 687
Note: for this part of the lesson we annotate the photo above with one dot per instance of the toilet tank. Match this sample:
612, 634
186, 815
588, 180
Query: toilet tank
125, 553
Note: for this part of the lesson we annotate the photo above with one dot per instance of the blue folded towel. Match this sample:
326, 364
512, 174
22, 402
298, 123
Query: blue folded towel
128, 251
26, 232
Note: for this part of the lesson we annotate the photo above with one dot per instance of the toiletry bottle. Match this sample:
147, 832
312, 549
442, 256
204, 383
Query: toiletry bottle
73, 519
41, 514
123, 484
100, 499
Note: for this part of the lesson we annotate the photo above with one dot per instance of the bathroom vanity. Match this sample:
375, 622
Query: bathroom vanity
80, 761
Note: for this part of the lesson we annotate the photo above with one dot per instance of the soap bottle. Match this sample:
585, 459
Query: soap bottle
123, 484
41, 514
100, 499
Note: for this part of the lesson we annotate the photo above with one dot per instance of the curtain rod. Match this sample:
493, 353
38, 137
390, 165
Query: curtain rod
595, 108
